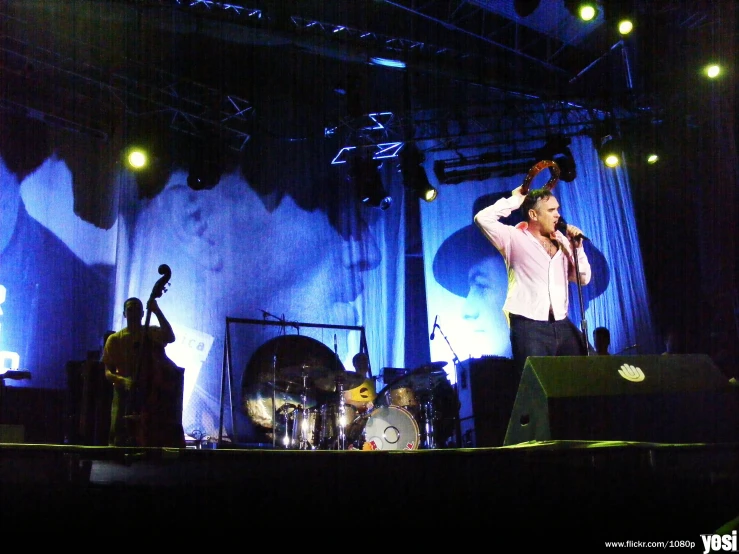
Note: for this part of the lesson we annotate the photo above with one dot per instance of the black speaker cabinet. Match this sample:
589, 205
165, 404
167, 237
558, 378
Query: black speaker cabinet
487, 388
679, 398
32, 415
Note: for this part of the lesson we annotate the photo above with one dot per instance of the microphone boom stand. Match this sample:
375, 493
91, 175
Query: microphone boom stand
455, 360
583, 321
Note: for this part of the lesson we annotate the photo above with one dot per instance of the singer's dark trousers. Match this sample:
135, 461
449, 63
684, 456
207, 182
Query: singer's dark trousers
544, 338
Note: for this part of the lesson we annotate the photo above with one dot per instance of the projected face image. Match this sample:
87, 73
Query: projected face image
9, 203
286, 261
482, 309
55, 307
231, 256
468, 266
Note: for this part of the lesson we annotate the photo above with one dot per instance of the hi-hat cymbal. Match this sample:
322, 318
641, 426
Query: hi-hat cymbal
347, 379
297, 372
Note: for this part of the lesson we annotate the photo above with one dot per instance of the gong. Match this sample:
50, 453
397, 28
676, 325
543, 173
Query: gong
295, 370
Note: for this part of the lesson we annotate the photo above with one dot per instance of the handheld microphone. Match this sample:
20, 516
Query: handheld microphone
562, 228
433, 329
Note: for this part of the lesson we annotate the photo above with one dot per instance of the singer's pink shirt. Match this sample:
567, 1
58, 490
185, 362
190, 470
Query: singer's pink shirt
536, 282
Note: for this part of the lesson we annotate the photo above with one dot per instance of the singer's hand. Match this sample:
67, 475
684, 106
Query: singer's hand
575, 234
518, 191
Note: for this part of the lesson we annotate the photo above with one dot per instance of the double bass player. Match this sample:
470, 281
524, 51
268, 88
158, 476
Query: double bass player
146, 409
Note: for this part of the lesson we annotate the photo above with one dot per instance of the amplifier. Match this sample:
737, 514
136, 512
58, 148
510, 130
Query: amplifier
487, 389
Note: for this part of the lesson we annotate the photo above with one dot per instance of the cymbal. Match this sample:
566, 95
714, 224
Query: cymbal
348, 380
296, 373
289, 392
432, 367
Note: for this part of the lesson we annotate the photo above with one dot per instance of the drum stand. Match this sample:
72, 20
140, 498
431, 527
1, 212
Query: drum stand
341, 427
287, 411
428, 414
303, 442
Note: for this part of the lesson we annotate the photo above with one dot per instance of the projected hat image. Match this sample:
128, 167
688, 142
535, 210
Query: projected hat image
465, 248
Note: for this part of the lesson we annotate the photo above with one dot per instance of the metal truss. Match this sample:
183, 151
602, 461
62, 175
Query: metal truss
135, 90
111, 95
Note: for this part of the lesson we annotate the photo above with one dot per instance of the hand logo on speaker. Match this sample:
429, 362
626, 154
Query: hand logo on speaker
631, 373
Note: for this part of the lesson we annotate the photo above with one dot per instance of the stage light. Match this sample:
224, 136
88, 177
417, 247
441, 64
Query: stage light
610, 151
625, 26
652, 158
587, 11
712, 70
620, 14
557, 149
525, 8
387, 62
136, 158
366, 176
203, 174
414, 174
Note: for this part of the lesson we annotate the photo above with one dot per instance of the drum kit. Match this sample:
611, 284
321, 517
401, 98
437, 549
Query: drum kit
315, 404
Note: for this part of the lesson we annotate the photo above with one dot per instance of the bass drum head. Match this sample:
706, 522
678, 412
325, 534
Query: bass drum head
391, 428
421, 390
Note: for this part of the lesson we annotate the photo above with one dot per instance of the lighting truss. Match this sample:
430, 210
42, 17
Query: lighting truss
225, 7
379, 152
191, 107
483, 166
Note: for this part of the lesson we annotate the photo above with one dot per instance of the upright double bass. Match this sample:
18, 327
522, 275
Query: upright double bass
155, 400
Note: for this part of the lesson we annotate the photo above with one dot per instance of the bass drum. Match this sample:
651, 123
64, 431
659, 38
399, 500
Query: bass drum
390, 428
430, 399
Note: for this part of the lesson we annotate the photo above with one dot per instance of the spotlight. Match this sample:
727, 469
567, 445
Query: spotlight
206, 157
625, 26
366, 176
557, 149
621, 15
414, 174
203, 174
712, 70
586, 11
148, 164
137, 158
525, 8
610, 151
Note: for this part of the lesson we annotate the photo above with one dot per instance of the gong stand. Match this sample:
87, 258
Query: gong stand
283, 325
227, 373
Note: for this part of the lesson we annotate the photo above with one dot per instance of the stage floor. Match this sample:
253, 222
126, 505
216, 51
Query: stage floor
574, 492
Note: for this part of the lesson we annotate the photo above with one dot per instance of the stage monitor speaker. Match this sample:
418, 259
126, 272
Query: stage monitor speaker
487, 388
678, 398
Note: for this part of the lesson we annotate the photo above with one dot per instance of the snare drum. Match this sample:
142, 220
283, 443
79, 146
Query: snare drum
390, 428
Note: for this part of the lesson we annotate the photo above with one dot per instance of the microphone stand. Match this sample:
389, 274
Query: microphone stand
583, 321
455, 360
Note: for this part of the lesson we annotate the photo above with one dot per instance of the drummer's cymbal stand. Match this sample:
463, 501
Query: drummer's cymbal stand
341, 426
304, 420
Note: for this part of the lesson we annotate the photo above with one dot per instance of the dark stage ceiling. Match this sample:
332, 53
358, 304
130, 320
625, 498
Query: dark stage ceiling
211, 62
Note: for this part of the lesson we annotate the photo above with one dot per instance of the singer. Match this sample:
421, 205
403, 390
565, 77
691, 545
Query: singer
540, 264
